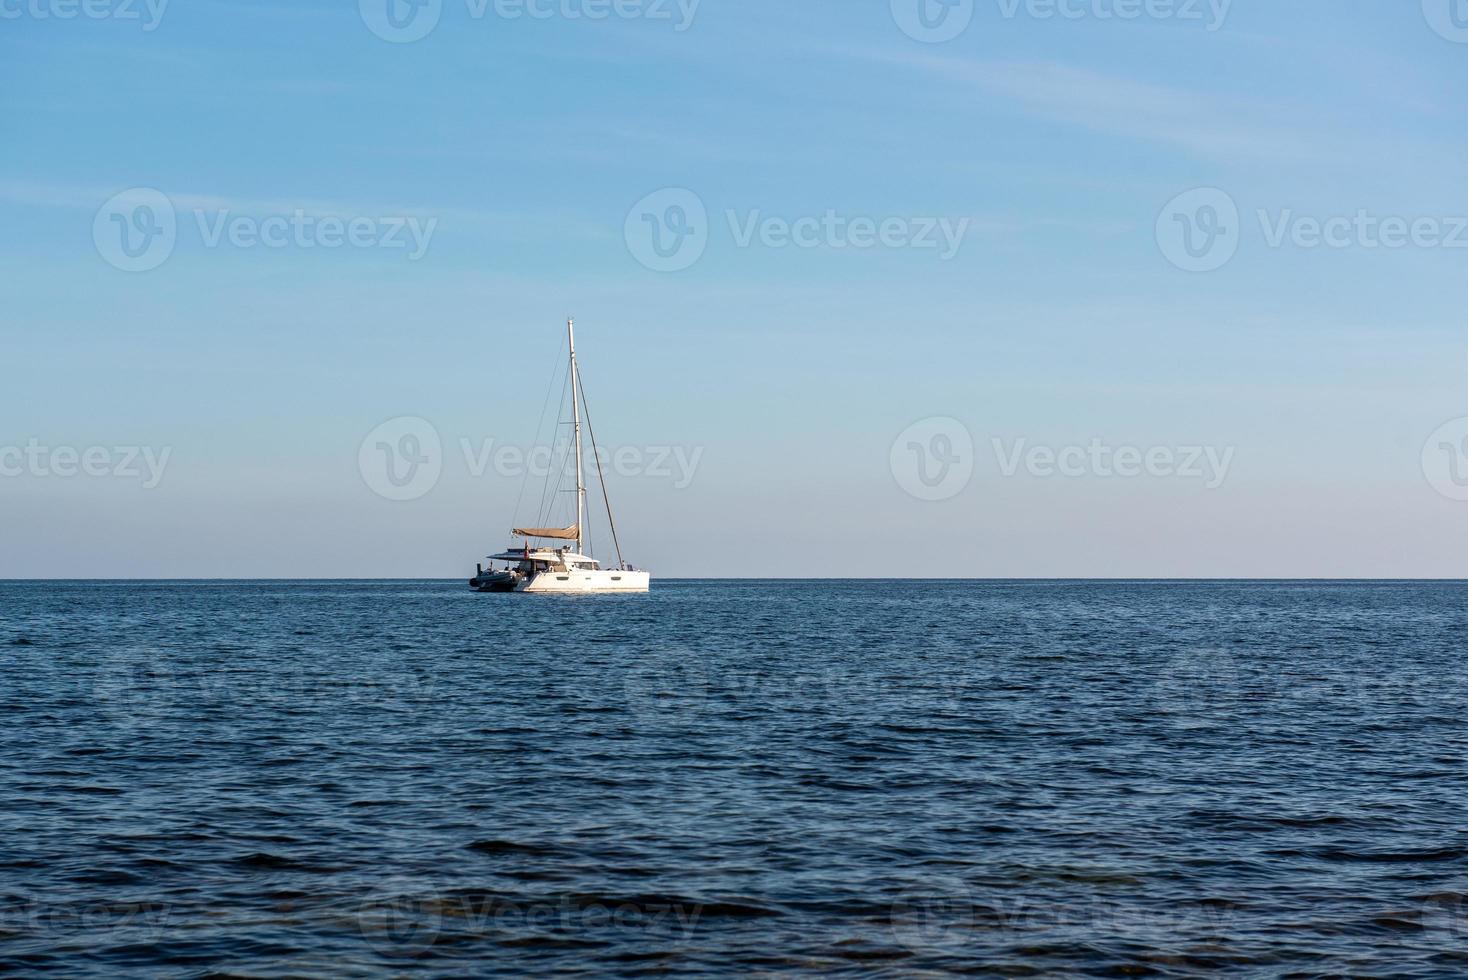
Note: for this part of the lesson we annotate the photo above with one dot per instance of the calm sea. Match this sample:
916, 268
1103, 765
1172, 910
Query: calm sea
348, 779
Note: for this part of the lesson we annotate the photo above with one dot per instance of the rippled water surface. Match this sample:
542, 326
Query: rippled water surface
341, 779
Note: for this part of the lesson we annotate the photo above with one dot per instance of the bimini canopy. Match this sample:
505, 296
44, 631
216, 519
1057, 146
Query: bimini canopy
557, 534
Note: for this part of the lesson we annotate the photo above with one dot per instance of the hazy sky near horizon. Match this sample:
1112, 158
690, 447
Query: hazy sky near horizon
985, 288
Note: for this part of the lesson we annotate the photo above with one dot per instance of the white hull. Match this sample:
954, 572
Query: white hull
586, 581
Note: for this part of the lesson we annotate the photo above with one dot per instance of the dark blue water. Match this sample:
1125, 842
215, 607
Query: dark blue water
338, 779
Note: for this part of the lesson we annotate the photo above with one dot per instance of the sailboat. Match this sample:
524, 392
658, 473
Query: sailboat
564, 568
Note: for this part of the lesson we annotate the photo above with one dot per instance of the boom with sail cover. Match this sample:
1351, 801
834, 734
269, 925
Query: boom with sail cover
572, 533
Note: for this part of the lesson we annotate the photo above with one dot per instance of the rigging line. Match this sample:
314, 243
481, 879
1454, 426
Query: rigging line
539, 426
551, 502
555, 475
600, 476
541, 511
549, 508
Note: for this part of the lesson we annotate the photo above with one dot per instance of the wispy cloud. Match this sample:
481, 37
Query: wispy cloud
1195, 122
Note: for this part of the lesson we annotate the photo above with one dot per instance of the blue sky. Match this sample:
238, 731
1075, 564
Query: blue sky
529, 151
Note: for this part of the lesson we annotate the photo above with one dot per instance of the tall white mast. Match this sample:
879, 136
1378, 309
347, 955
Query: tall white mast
576, 424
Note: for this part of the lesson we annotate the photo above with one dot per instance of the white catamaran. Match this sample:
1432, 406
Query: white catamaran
563, 569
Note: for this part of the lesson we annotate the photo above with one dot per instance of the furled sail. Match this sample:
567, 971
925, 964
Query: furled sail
559, 534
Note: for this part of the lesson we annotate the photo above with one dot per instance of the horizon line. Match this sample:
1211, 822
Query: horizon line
697, 578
